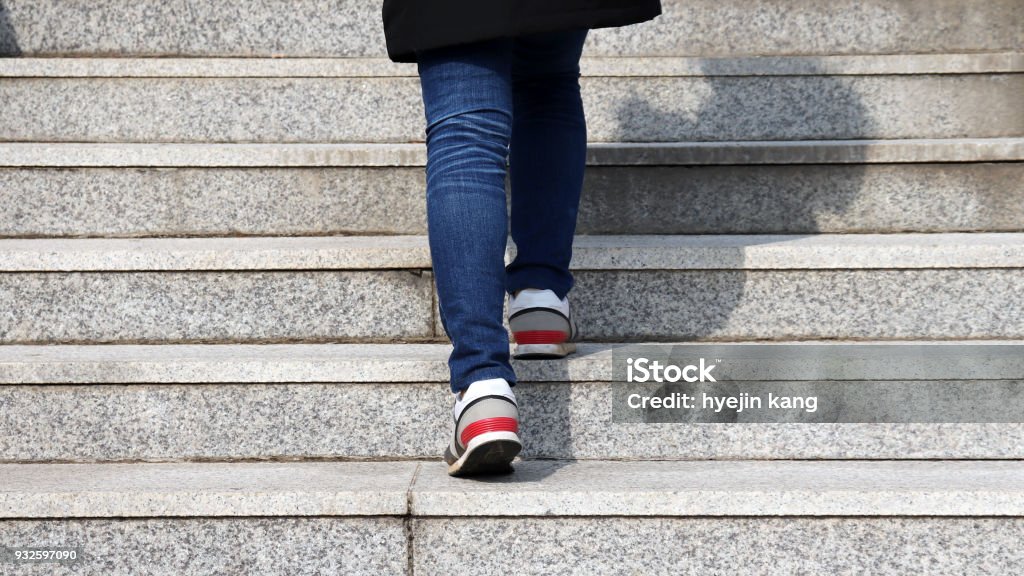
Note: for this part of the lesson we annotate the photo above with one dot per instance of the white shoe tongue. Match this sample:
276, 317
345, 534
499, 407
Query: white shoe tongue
489, 387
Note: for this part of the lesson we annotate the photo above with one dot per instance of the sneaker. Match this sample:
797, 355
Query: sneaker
542, 325
486, 430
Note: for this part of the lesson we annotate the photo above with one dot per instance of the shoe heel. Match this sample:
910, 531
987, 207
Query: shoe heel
489, 453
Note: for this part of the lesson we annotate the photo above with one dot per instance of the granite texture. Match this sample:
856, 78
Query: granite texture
779, 304
319, 110
862, 151
560, 419
353, 28
620, 66
723, 305
304, 155
205, 489
616, 66
211, 202
235, 363
547, 488
671, 546
766, 27
225, 421
645, 488
193, 67
213, 110
194, 27
203, 546
368, 154
600, 252
127, 202
738, 299
722, 108
575, 421
827, 199
807, 360
721, 546
255, 253
214, 306
789, 252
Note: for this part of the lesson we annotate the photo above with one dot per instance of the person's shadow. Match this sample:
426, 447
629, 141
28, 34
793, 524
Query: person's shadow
8, 38
563, 421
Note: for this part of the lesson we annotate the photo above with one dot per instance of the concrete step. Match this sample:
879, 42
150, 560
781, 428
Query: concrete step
721, 287
325, 189
353, 28
212, 518
372, 401
640, 99
550, 516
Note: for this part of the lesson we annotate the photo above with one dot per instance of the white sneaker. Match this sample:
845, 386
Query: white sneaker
486, 430
542, 325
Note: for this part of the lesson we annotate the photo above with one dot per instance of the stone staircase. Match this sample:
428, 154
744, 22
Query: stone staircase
220, 350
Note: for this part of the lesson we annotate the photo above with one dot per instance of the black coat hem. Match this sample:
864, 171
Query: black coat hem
406, 32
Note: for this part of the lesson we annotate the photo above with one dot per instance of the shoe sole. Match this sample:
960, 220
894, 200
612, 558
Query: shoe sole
491, 454
542, 351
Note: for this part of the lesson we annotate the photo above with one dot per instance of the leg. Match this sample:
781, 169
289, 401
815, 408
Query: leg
467, 100
547, 158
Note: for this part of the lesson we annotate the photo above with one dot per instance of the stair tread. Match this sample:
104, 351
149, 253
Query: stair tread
615, 66
536, 488
862, 151
421, 363
596, 252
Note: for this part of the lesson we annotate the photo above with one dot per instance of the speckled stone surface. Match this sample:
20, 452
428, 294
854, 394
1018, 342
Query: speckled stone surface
203, 546
304, 155
354, 28
205, 489
194, 27
216, 201
234, 363
740, 304
413, 420
616, 200
568, 421
589, 66
802, 199
777, 304
766, 488
764, 65
797, 108
864, 151
762, 27
211, 109
226, 421
599, 252
794, 252
252, 253
416, 363
214, 306
367, 154
715, 108
722, 546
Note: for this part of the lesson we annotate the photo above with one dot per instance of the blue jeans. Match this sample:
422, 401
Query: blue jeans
508, 102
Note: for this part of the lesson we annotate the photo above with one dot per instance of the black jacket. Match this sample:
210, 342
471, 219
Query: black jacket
411, 25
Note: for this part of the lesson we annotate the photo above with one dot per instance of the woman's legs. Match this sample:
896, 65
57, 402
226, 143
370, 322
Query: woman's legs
547, 158
478, 99
467, 99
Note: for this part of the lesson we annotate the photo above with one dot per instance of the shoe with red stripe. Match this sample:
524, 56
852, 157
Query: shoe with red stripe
486, 430
542, 325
